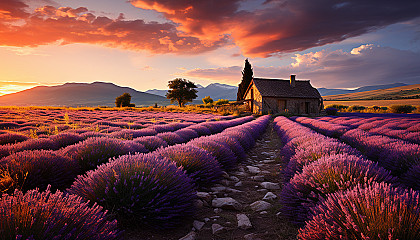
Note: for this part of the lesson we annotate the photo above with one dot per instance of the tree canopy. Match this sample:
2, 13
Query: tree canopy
182, 91
124, 101
247, 75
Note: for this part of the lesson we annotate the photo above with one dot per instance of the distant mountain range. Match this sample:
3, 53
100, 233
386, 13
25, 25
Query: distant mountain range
104, 94
336, 91
79, 94
215, 91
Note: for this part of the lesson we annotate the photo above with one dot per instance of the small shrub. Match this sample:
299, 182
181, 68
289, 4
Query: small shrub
44, 215
402, 108
199, 164
36, 169
327, 175
376, 211
141, 188
221, 102
331, 111
207, 100
337, 106
355, 108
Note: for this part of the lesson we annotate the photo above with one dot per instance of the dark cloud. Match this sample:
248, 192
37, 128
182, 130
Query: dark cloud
365, 65
283, 26
276, 27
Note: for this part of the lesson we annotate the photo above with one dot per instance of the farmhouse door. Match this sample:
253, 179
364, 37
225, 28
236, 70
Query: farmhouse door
281, 105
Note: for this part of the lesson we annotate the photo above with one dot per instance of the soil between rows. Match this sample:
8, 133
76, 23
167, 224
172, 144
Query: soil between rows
269, 224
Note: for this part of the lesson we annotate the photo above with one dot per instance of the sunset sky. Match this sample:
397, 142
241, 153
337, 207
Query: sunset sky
145, 43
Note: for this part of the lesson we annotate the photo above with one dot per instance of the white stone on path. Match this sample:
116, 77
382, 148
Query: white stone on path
243, 221
217, 228
270, 185
198, 225
270, 196
253, 170
259, 206
226, 203
190, 236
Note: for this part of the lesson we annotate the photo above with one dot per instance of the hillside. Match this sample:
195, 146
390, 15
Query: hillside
215, 91
78, 94
336, 91
404, 92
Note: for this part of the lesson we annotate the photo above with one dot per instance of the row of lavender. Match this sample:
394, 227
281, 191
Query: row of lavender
42, 124
334, 192
155, 189
404, 128
399, 156
38, 165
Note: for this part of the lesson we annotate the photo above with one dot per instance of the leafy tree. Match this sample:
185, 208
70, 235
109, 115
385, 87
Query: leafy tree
247, 75
182, 91
124, 101
207, 100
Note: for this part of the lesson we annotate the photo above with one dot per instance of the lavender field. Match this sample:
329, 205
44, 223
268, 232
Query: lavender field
90, 174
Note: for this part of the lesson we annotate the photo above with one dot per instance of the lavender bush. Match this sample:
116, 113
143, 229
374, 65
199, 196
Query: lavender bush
375, 211
36, 169
199, 164
171, 138
12, 138
65, 139
142, 188
94, 151
222, 153
34, 144
151, 142
327, 175
44, 215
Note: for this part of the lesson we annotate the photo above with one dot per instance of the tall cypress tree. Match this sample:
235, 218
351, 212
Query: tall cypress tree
247, 75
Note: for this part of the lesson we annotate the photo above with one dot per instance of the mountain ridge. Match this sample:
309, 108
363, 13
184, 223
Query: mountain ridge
78, 94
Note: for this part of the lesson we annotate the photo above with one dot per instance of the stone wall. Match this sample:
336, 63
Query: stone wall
291, 105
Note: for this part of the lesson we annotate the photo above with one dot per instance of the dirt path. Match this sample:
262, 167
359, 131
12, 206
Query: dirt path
244, 192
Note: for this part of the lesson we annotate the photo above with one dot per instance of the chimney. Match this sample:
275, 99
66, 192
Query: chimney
292, 81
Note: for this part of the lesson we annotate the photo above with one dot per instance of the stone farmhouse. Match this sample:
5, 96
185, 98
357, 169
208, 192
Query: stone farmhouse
280, 96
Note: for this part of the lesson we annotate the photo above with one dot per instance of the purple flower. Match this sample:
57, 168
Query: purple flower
327, 175
44, 215
36, 169
375, 211
148, 190
199, 164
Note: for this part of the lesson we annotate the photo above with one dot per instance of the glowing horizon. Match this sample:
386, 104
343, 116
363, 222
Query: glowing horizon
143, 44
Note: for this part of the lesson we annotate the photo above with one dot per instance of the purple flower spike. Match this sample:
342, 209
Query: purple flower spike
199, 164
44, 215
141, 188
375, 211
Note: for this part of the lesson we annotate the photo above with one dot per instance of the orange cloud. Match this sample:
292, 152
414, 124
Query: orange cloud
270, 28
66, 25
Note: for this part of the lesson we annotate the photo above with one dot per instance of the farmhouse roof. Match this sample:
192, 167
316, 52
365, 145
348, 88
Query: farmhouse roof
282, 88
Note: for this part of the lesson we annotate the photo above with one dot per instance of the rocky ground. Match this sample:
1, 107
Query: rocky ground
244, 206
